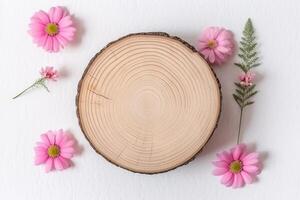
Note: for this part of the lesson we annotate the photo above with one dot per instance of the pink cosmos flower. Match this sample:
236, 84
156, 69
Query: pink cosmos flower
237, 167
55, 150
247, 78
216, 45
49, 73
52, 30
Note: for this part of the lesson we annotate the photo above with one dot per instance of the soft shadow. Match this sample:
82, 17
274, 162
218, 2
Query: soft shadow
263, 156
249, 110
78, 148
226, 131
80, 31
258, 77
225, 135
191, 38
64, 72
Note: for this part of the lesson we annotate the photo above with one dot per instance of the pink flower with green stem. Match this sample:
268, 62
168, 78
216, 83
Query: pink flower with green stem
240, 166
47, 73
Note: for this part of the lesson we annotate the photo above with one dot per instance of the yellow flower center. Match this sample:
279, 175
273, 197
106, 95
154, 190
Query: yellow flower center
236, 166
53, 151
52, 29
212, 44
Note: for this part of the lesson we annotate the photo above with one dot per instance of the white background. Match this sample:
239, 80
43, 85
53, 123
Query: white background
271, 126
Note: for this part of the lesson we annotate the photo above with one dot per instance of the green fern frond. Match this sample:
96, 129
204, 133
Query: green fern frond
248, 53
243, 94
248, 59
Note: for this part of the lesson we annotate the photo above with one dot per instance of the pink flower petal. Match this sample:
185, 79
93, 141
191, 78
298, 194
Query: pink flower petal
221, 164
225, 156
40, 159
37, 34
34, 27
230, 182
69, 143
250, 156
40, 148
219, 55
58, 14
41, 153
48, 45
212, 32
59, 137
65, 22
226, 178
51, 137
51, 14
70, 31
211, 57
45, 139
240, 180
64, 140
58, 164
49, 165
226, 43
205, 53
70, 150
237, 151
43, 16
42, 144
55, 44
65, 162
247, 177
235, 181
67, 35
204, 37
223, 49
66, 155
250, 161
41, 40
202, 45
219, 171
35, 20
63, 41
226, 35
251, 169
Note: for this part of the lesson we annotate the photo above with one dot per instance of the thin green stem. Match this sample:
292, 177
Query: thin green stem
24, 91
240, 125
39, 81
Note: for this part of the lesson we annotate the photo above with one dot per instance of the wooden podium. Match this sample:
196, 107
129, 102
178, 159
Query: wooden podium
148, 102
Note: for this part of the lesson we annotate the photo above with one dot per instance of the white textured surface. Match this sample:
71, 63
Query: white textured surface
272, 124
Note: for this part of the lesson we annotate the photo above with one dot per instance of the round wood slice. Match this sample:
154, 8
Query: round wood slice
148, 102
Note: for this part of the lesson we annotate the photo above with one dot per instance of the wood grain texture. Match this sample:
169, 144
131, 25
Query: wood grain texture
148, 102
